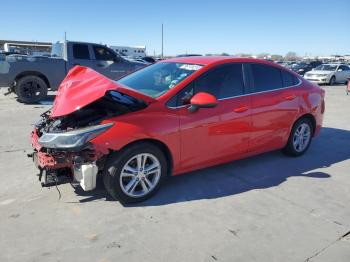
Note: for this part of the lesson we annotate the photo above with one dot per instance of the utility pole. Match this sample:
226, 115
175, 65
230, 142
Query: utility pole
65, 36
162, 42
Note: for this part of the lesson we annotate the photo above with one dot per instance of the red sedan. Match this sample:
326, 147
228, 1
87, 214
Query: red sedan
172, 117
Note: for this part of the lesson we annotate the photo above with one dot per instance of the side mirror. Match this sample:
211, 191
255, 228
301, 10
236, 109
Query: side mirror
202, 100
340, 70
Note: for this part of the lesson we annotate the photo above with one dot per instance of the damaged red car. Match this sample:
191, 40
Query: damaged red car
169, 118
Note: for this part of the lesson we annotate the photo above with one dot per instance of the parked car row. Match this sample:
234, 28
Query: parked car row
320, 73
329, 74
303, 67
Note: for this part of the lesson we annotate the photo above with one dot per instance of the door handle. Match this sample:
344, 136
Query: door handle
240, 109
290, 97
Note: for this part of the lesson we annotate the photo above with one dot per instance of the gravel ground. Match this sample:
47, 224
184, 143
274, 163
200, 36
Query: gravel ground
265, 208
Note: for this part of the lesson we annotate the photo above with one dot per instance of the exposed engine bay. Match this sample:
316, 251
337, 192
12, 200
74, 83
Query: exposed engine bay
62, 149
110, 105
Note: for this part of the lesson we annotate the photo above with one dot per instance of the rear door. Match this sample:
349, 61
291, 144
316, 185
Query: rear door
106, 62
275, 106
210, 135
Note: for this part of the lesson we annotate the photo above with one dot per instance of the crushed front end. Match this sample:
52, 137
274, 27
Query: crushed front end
64, 154
84, 108
64, 150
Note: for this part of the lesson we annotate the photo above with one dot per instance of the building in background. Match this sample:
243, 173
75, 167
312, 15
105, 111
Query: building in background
130, 51
26, 47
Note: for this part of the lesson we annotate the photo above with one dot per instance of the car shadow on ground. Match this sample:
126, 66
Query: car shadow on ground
259, 172
47, 101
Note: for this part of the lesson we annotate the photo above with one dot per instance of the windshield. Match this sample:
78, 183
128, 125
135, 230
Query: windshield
326, 67
157, 79
57, 50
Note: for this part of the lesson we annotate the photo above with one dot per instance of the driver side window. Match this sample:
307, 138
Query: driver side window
103, 53
223, 81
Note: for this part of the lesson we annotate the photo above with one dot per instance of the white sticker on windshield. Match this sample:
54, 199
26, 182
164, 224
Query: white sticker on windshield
190, 67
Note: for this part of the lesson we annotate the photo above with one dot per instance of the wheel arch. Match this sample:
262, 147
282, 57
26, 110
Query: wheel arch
33, 73
312, 119
161, 145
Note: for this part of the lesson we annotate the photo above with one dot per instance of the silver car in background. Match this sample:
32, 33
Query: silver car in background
329, 74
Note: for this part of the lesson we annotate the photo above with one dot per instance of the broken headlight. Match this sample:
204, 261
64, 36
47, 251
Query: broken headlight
72, 139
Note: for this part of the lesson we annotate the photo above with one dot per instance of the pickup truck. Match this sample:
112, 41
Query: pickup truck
30, 77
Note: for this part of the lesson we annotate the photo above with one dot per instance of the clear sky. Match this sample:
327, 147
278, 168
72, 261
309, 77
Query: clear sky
313, 27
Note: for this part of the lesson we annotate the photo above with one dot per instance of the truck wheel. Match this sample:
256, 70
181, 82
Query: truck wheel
135, 173
31, 89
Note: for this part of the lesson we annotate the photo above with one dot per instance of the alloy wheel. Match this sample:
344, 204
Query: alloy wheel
301, 137
140, 175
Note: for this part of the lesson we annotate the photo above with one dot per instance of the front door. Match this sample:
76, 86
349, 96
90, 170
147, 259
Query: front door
211, 135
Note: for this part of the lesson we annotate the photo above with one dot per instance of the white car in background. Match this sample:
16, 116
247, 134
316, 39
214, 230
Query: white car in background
329, 74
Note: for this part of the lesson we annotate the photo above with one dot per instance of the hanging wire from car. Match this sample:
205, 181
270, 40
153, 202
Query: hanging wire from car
59, 192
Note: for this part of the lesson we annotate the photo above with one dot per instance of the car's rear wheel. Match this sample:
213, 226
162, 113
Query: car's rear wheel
300, 138
31, 89
332, 81
135, 173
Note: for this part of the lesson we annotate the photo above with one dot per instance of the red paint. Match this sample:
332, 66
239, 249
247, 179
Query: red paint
236, 128
204, 99
82, 86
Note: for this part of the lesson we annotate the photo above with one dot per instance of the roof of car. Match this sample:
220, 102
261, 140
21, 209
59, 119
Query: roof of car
207, 60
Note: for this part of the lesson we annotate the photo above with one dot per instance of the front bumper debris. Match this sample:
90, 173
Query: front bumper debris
60, 167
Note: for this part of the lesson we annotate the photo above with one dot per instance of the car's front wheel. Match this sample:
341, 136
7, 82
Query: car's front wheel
135, 173
332, 81
300, 138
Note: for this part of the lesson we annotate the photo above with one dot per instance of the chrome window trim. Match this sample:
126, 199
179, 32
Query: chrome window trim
261, 92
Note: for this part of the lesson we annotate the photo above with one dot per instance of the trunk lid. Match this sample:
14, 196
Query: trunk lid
82, 86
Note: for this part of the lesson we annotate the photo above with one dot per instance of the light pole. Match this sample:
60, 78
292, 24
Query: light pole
162, 42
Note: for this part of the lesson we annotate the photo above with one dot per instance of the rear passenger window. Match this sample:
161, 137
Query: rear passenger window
266, 77
81, 51
289, 79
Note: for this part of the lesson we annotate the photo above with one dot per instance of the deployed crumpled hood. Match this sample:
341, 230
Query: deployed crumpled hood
82, 86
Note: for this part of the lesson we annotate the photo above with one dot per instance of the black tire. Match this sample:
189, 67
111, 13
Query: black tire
31, 89
115, 163
290, 148
332, 81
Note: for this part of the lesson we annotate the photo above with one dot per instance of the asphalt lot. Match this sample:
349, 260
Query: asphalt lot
266, 208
